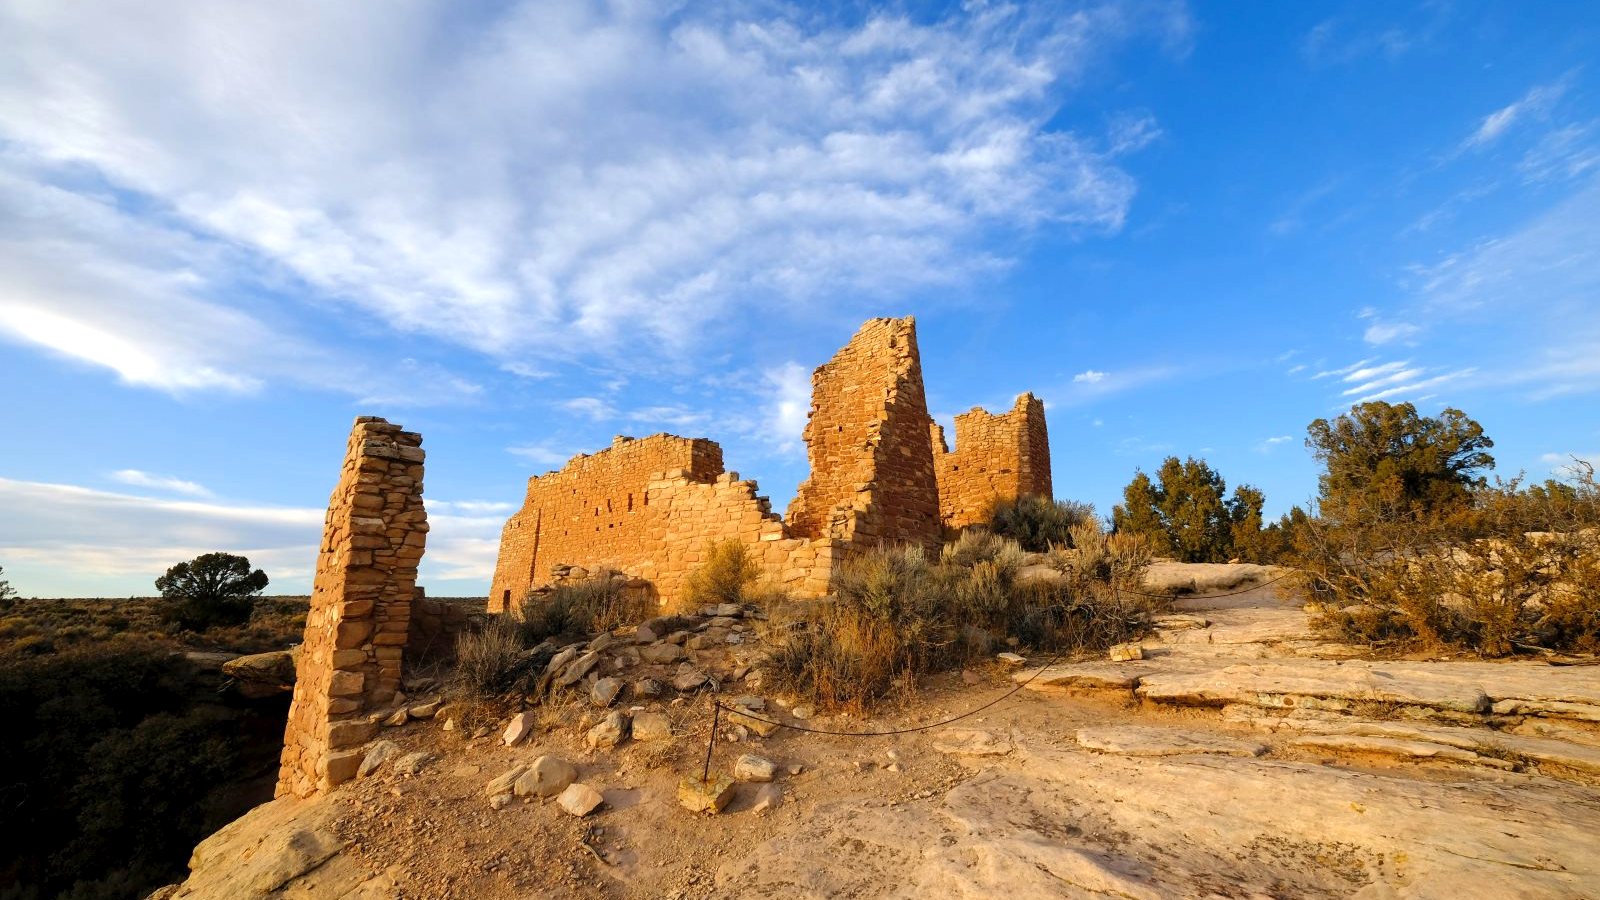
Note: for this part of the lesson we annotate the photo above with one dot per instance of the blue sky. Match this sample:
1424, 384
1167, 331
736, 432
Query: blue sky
227, 229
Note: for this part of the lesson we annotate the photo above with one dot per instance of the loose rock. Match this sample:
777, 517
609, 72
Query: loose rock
651, 726
604, 691
750, 767
580, 799
521, 726
547, 777
711, 795
611, 731
381, 752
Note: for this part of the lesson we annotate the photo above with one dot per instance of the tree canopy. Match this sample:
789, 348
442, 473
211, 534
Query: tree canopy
1186, 512
1387, 456
212, 589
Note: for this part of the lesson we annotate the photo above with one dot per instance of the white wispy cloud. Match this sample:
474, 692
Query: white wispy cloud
1536, 102
138, 478
1268, 445
524, 180
592, 408
1383, 331
543, 454
1090, 377
1369, 380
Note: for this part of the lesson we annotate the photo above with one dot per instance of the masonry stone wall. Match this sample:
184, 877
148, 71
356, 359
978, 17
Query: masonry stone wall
996, 457
647, 507
650, 507
360, 615
435, 625
872, 473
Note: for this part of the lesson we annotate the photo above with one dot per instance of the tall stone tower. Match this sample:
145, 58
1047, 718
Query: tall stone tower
872, 473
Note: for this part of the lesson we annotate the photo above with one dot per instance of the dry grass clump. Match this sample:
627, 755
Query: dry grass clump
1518, 569
895, 615
492, 659
728, 574
500, 656
1037, 522
577, 608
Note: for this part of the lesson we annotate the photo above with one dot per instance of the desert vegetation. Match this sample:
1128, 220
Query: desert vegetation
116, 764
499, 656
898, 613
1185, 513
1038, 523
1410, 546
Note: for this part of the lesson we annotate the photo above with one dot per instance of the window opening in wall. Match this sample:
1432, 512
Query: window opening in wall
630, 503
506, 597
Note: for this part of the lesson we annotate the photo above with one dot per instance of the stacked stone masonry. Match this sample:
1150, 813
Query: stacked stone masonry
650, 507
872, 475
996, 457
360, 616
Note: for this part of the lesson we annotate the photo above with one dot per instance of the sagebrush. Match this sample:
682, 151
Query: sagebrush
727, 574
1510, 568
896, 614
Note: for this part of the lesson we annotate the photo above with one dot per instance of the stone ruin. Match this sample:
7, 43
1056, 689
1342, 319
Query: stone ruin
997, 457
648, 507
880, 474
360, 616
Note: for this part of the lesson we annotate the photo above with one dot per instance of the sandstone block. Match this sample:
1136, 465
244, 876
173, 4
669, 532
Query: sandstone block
580, 799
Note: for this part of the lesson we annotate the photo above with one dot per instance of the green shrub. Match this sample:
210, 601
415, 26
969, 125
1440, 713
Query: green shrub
211, 589
726, 575
1035, 522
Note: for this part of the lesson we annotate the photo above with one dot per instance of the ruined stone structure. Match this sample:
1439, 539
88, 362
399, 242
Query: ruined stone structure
649, 507
872, 477
360, 617
996, 457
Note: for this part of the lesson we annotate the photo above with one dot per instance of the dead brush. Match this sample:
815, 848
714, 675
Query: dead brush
490, 660
895, 616
1518, 569
579, 608
728, 574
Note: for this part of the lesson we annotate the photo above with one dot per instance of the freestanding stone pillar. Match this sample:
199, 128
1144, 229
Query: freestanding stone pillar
355, 636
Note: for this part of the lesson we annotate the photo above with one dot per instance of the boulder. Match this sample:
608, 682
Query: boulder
604, 691
578, 668
1126, 652
760, 726
580, 799
263, 674
611, 731
412, 763
660, 653
547, 777
648, 689
425, 710
688, 681
750, 767
398, 717
504, 783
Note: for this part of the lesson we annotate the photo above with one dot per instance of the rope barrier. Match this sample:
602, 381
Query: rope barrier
717, 707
